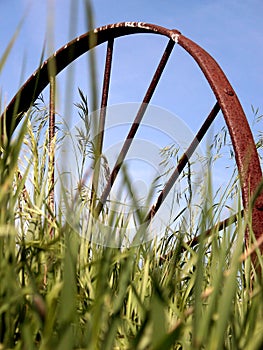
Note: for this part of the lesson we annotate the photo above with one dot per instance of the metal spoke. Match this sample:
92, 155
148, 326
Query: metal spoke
135, 126
99, 138
51, 146
195, 240
183, 161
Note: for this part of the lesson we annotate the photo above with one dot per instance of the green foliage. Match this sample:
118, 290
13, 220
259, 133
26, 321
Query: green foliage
67, 293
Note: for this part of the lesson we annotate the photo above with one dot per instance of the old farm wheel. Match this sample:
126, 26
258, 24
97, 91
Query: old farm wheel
226, 100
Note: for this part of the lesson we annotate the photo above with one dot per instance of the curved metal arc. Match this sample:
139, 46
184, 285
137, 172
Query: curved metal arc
240, 133
244, 146
29, 92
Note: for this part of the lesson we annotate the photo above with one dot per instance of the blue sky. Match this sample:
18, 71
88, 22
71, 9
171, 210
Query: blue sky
231, 31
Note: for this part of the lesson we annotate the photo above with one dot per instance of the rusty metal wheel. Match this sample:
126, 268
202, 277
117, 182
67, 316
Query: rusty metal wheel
225, 100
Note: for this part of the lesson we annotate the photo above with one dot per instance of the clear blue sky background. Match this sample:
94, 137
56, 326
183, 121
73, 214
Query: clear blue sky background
230, 30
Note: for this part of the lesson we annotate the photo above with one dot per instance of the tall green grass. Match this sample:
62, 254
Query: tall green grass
69, 293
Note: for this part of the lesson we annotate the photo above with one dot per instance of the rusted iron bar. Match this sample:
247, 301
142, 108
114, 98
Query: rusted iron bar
242, 139
51, 148
100, 136
193, 242
183, 161
218, 227
135, 126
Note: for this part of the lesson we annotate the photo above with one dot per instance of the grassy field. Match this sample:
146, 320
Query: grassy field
59, 290
68, 293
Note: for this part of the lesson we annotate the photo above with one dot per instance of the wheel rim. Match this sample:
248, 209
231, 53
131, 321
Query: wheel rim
226, 100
